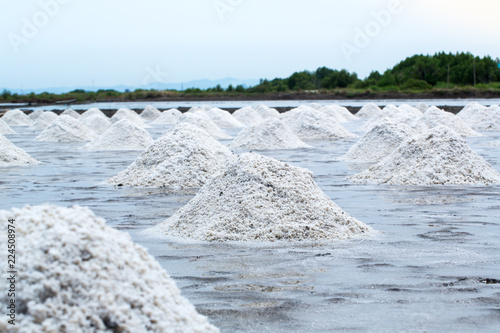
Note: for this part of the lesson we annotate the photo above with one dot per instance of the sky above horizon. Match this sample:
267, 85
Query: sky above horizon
67, 43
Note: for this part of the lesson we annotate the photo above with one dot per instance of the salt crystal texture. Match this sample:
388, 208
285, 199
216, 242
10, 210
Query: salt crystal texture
247, 116
168, 117
121, 136
150, 113
186, 157
223, 118
66, 129
368, 110
269, 134
91, 112
44, 120
259, 199
79, 275
208, 125
71, 113
266, 112
35, 114
434, 117
11, 155
97, 122
5, 128
17, 118
437, 157
132, 116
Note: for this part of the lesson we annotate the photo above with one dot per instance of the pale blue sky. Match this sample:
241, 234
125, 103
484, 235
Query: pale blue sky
134, 42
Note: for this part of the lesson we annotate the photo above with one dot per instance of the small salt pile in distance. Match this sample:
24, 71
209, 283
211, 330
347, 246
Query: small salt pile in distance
379, 142
313, 124
257, 198
206, 124
422, 107
486, 118
434, 117
44, 120
266, 112
150, 113
132, 116
470, 110
17, 118
97, 122
35, 114
91, 112
185, 157
368, 110
71, 113
5, 128
11, 155
79, 275
315, 106
247, 116
168, 117
399, 115
411, 109
341, 111
66, 129
123, 135
223, 118
437, 157
271, 133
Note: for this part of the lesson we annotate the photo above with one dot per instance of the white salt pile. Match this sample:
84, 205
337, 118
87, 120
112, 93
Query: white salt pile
205, 107
123, 135
185, 157
313, 124
206, 124
422, 107
17, 118
394, 113
79, 275
222, 118
469, 111
487, 119
379, 142
315, 106
333, 113
5, 128
97, 122
247, 116
132, 116
11, 155
35, 114
266, 112
44, 120
410, 109
434, 117
257, 198
368, 110
437, 157
150, 113
66, 129
271, 133
71, 113
168, 117
91, 112
342, 111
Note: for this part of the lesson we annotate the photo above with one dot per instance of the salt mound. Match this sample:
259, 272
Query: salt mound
206, 124
44, 120
247, 116
368, 110
186, 156
269, 134
97, 122
313, 124
411, 109
79, 275
333, 113
394, 113
422, 107
66, 129
223, 118
434, 117
437, 157
379, 142
343, 111
11, 155
132, 116
168, 117
469, 111
35, 114
91, 112
485, 119
5, 128
150, 113
17, 118
257, 198
266, 112
315, 106
71, 113
205, 107
123, 135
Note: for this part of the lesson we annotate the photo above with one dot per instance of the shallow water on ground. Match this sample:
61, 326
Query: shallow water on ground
434, 267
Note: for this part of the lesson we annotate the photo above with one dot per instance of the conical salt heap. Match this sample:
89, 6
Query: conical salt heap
186, 157
91, 112
469, 111
150, 113
97, 122
257, 198
437, 157
17, 118
411, 109
271, 133
205, 123
484, 118
76, 274
132, 116
121, 136
71, 113
434, 117
223, 118
5, 128
247, 116
422, 107
368, 110
66, 129
394, 113
266, 112
11, 155
35, 114
168, 117
44, 120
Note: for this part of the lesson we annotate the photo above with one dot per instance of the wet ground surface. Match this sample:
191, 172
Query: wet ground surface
434, 267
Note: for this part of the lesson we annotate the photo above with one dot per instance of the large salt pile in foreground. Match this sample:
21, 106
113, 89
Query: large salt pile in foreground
257, 198
271, 133
168, 117
434, 117
368, 110
5, 128
201, 121
121, 136
44, 120
75, 274
247, 116
17, 118
266, 112
223, 118
186, 156
132, 116
11, 155
150, 113
437, 157
97, 122
66, 129
379, 142
71, 113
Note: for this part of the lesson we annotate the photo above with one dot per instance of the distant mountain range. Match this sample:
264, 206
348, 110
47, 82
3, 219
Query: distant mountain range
201, 84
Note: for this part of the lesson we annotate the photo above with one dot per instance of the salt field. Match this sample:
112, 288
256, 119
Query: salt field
429, 263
